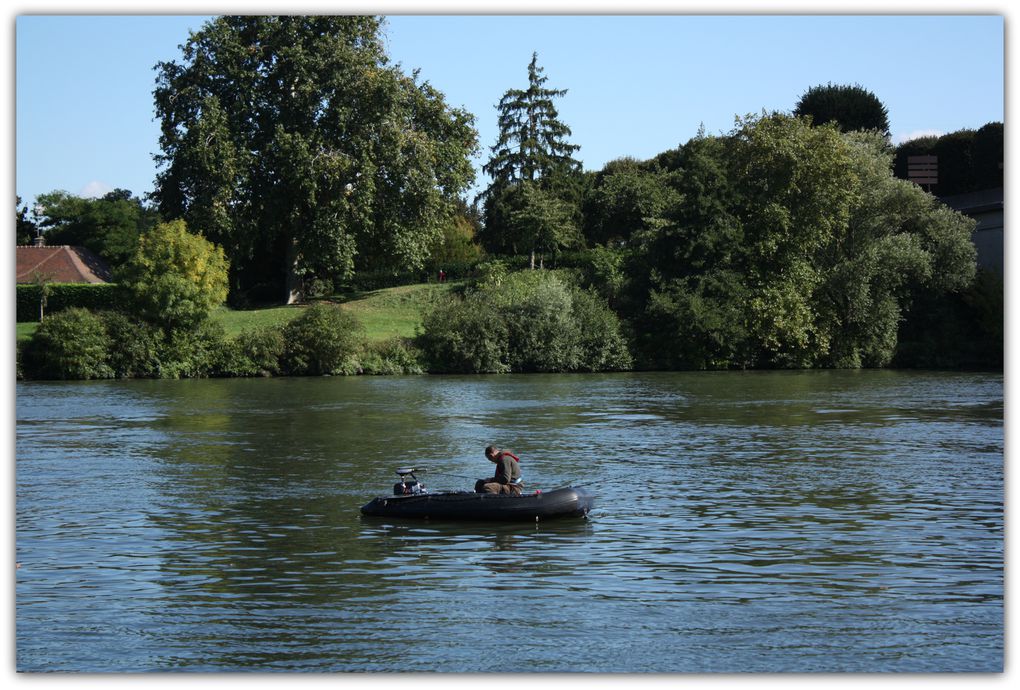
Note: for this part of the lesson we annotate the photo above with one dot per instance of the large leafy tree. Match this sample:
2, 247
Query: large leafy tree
849, 107
625, 197
687, 272
898, 243
794, 246
531, 149
293, 143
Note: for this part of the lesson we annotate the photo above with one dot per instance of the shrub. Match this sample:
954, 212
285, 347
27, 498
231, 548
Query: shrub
392, 356
529, 321
66, 295
321, 341
465, 336
602, 269
256, 352
135, 346
72, 344
542, 334
600, 341
194, 353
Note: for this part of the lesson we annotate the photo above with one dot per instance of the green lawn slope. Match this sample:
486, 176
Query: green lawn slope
383, 314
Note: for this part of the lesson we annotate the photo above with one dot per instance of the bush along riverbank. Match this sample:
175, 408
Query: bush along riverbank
526, 321
77, 344
509, 322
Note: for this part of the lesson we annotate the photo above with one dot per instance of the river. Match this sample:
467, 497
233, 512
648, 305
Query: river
744, 522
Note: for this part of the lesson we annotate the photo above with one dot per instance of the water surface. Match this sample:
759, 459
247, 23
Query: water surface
760, 522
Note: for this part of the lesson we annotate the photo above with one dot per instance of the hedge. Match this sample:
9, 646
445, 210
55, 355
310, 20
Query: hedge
63, 296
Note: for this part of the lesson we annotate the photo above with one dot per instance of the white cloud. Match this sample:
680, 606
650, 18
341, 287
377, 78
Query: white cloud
95, 189
916, 134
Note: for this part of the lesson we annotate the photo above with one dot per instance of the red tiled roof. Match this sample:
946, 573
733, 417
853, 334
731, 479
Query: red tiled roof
61, 265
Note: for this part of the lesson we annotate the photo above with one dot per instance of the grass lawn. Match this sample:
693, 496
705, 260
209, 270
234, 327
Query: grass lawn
394, 311
235, 321
383, 313
25, 330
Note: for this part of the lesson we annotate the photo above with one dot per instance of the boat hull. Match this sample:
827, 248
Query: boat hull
465, 505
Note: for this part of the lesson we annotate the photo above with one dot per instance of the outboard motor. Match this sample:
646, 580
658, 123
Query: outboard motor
409, 484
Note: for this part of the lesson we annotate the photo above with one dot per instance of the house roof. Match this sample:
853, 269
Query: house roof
61, 265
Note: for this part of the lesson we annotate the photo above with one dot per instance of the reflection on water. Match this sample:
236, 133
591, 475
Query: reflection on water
817, 521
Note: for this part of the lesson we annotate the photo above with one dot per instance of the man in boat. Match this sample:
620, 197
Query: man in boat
507, 479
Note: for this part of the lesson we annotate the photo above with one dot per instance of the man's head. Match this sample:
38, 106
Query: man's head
490, 453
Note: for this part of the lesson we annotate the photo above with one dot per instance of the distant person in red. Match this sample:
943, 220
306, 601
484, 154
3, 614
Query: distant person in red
442, 276
507, 479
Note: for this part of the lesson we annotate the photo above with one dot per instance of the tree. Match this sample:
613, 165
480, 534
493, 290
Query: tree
109, 226
534, 221
456, 244
531, 149
625, 197
24, 227
849, 107
44, 281
176, 277
532, 140
968, 160
291, 142
688, 286
794, 246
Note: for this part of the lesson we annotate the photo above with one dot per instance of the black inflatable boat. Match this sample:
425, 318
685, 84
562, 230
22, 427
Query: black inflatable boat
411, 500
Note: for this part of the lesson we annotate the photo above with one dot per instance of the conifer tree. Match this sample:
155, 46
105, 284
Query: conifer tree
532, 140
531, 150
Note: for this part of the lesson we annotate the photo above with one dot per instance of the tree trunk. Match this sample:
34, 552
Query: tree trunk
295, 292
532, 259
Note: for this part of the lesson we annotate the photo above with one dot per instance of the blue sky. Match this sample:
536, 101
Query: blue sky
637, 85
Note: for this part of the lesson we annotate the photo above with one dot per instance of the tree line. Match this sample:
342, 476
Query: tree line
292, 144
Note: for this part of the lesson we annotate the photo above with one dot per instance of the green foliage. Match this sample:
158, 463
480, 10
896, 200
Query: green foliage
850, 108
794, 247
255, 352
321, 341
697, 322
391, 356
176, 278
954, 331
968, 160
198, 352
25, 228
626, 197
66, 295
598, 335
532, 203
135, 346
534, 221
109, 226
73, 344
528, 321
603, 269
290, 141
456, 245
465, 336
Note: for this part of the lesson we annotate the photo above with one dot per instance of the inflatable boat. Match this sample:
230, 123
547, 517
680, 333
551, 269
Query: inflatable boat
411, 500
